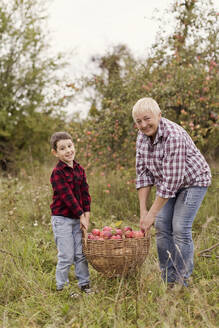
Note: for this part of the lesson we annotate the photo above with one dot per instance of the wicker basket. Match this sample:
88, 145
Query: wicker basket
116, 257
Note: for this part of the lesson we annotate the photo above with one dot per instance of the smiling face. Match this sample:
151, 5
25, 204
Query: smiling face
65, 151
148, 122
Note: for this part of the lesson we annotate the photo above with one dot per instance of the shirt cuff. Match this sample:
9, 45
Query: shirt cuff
86, 208
143, 183
79, 213
165, 194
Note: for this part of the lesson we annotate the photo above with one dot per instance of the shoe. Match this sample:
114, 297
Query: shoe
170, 285
86, 289
59, 289
74, 295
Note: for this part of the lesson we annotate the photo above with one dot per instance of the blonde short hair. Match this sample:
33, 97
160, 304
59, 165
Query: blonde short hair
145, 105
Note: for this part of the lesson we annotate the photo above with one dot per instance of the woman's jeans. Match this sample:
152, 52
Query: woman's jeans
68, 239
174, 234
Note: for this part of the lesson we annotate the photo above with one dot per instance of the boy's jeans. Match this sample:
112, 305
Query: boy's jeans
174, 234
68, 239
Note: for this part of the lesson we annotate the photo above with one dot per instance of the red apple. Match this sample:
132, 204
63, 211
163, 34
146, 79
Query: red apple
90, 236
106, 228
127, 229
129, 234
118, 232
96, 232
138, 234
107, 234
118, 237
113, 237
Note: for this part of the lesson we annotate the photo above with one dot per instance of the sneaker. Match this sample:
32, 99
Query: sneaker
170, 285
59, 289
86, 289
74, 295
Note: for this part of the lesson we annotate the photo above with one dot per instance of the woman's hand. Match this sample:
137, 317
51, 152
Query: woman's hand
146, 221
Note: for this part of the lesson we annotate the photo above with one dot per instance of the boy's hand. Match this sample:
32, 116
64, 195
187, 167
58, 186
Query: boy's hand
84, 222
87, 216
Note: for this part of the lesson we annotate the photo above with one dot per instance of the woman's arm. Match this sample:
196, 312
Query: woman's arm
143, 195
149, 218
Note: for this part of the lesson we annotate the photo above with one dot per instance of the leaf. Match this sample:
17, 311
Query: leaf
118, 223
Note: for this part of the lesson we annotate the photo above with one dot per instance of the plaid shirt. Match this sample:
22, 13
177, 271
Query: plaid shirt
71, 197
171, 162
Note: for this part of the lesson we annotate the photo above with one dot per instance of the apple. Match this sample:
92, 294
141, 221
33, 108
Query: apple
113, 237
90, 236
95, 232
106, 228
107, 234
127, 229
118, 237
129, 234
118, 232
138, 234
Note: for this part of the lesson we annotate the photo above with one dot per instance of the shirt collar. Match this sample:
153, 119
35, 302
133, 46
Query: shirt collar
63, 165
160, 131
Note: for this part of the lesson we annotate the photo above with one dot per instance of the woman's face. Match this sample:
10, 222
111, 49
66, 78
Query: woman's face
148, 122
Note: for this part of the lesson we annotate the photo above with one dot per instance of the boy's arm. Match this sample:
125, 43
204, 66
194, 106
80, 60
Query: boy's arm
86, 198
84, 220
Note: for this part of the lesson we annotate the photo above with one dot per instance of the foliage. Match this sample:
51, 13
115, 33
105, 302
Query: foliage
107, 137
28, 260
31, 95
180, 73
184, 68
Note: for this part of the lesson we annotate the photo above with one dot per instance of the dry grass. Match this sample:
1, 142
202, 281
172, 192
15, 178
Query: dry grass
28, 258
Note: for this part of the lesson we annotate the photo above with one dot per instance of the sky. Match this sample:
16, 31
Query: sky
90, 27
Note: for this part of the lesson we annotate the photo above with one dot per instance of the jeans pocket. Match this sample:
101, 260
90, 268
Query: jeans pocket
193, 196
58, 221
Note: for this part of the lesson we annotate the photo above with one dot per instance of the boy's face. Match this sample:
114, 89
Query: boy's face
65, 151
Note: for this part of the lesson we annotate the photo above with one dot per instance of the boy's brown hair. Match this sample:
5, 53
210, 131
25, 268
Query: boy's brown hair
59, 136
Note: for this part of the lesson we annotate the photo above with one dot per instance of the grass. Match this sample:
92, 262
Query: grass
28, 259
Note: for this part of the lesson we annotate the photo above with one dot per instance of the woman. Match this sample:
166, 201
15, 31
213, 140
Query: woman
167, 158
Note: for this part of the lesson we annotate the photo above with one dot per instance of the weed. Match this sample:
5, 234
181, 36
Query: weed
28, 260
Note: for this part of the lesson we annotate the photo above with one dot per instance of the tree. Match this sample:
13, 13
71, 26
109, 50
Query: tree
184, 71
109, 124
31, 93
180, 73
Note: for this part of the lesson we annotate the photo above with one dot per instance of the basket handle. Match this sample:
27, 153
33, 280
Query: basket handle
85, 235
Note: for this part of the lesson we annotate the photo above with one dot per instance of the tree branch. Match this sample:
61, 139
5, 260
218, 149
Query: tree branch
208, 249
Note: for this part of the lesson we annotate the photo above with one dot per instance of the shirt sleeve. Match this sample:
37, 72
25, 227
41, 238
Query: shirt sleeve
86, 199
61, 187
144, 177
174, 163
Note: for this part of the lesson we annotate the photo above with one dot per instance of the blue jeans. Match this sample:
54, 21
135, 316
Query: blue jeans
68, 239
174, 234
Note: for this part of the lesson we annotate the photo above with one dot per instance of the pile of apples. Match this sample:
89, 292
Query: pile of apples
111, 233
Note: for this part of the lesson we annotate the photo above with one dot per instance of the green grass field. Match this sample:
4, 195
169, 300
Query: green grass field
28, 258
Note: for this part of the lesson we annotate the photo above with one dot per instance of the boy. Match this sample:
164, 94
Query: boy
70, 212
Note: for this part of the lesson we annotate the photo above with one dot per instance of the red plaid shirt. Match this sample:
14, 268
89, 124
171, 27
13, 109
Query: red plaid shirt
171, 162
71, 197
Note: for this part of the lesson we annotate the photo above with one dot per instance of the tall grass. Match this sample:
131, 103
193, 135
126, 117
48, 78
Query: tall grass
28, 258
